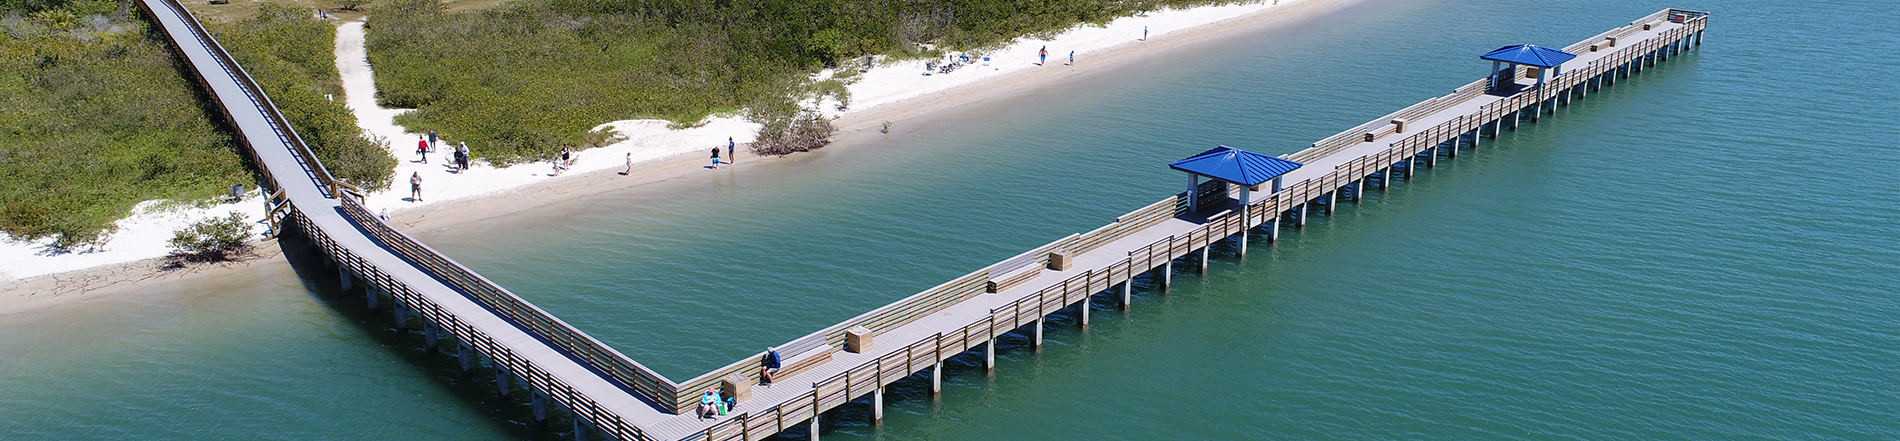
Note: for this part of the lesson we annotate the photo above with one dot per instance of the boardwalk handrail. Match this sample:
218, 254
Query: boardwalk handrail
866, 376
590, 352
282, 128
562, 335
522, 317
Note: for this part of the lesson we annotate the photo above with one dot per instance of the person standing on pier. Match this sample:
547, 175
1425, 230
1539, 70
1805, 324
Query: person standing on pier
415, 186
422, 148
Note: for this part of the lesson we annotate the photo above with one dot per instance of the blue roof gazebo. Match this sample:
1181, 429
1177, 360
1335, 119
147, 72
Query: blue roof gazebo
1543, 58
1235, 166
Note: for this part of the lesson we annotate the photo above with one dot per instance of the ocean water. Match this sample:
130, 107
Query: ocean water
1706, 251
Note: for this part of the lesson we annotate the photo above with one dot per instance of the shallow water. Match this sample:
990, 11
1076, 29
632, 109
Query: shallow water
1704, 251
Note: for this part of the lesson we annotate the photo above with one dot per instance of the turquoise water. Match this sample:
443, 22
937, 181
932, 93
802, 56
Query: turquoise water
1705, 251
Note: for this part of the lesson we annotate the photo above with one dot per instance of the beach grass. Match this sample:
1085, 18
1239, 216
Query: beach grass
521, 80
100, 117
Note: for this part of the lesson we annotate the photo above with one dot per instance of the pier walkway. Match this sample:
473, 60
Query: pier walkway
608, 393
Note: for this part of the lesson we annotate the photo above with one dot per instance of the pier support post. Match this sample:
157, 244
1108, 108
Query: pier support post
877, 405
501, 379
1037, 343
402, 316
1385, 178
989, 357
1332, 202
814, 425
1203, 266
1358, 189
1301, 211
464, 354
936, 379
1085, 309
1477, 137
1273, 230
1243, 243
1167, 275
539, 403
580, 428
370, 296
344, 273
428, 335
1128, 289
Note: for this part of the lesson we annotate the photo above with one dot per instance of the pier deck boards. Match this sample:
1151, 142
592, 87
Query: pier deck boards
622, 399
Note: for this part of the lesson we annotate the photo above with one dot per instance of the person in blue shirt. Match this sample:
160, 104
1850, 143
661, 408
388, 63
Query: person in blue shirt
771, 365
707, 404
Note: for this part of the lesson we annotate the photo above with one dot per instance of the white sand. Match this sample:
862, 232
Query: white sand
140, 236
143, 235
890, 83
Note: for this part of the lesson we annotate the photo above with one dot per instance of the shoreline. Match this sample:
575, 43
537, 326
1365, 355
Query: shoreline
666, 155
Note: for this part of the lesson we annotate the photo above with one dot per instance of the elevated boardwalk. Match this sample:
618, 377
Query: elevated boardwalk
610, 394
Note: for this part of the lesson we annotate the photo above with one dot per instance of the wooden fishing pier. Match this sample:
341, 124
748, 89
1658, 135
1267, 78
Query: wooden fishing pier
607, 393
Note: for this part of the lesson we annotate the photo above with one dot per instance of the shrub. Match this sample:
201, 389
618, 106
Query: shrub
519, 81
213, 239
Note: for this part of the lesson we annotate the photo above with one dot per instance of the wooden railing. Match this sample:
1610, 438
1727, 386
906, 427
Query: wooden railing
861, 379
919, 355
555, 332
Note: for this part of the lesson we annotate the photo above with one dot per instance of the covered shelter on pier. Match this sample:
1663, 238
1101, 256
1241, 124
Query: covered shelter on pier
1543, 59
1234, 166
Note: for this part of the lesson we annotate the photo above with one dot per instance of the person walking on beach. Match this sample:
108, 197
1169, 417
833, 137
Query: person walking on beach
464, 152
422, 148
1043, 56
732, 151
629, 171
431, 140
415, 186
1144, 33
715, 158
1071, 58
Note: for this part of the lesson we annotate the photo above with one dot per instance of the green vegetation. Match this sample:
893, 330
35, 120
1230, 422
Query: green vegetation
97, 119
212, 239
521, 80
99, 116
292, 56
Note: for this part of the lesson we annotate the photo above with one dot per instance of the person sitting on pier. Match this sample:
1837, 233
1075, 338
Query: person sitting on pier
708, 403
771, 366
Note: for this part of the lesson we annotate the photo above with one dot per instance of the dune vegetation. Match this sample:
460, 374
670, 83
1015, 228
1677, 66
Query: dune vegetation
525, 78
291, 55
100, 117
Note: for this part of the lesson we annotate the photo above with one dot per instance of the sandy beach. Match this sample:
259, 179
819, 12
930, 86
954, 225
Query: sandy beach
898, 93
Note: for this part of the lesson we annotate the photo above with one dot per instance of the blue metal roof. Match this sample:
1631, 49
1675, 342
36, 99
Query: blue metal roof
1530, 54
1236, 166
